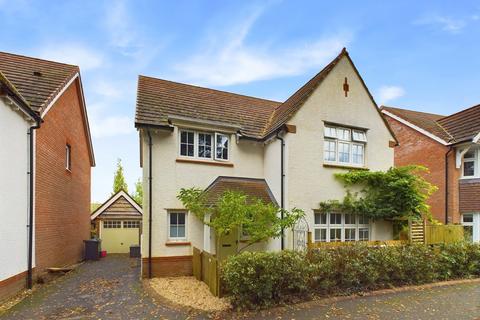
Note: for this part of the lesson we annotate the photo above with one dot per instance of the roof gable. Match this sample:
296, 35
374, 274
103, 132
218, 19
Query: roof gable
119, 204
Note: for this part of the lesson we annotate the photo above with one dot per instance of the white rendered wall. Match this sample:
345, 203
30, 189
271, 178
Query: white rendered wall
14, 156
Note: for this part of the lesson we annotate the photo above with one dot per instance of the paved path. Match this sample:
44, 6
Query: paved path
105, 289
460, 301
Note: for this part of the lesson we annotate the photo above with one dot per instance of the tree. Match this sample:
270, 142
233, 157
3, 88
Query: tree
138, 194
400, 192
119, 179
235, 211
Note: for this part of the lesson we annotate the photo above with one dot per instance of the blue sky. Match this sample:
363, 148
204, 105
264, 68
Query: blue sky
420, 55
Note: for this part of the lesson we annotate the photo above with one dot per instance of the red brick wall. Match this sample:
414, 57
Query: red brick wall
168, 266
416, 148
470, 195
62, 198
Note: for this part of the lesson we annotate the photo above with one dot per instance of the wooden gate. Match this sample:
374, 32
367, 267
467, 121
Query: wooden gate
206, 269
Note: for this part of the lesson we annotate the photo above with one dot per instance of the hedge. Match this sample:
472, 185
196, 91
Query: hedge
261, 279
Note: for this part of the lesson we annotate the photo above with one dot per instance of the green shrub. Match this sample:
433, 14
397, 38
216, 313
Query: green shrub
259, 279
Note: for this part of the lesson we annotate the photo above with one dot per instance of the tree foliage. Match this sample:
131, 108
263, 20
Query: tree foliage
138, 194
119, 182
235, 211
400, 192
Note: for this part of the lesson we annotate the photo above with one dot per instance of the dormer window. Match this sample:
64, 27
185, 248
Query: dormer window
344, 146
470, 163
200, 145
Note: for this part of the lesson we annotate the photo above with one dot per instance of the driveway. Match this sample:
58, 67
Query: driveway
105, 289
458, 301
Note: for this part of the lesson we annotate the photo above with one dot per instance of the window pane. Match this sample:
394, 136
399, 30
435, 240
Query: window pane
363, 234
181, 231
173, 218
343, 134
359, 135
222, 147
469, 168
357, 153
350, 234
187, 144
204, 145
330, 132
363, 220
335, 235
350, 219
173, 231
320, 235
181, 218
468, 217
320, 218
330, 151
343, 152
335, 218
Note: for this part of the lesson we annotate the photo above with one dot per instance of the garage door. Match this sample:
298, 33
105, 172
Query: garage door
117, 236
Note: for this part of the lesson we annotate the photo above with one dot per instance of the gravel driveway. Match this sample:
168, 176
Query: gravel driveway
105, 289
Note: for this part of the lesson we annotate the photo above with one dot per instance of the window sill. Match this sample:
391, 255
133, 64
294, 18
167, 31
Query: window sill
205, 162
177, 243
343, 166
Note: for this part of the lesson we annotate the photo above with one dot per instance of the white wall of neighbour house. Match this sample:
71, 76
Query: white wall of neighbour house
308, 181
14, 155
169, 176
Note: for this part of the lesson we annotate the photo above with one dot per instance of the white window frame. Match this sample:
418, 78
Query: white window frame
173, 239
228, 146
213, 153
68, 157
343, 140
476, 165
109, 224
342, 226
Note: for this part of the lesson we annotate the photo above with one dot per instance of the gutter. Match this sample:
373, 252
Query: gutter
30, 224
282, 182
149, 204
446, 183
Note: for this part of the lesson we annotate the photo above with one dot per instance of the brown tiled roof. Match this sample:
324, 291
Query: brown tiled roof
37, 80
426, 121
256, 188
258, 118
458, 127
9, 87
463, 125
158, 99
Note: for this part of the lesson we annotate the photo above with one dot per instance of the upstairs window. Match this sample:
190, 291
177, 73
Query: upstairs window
344, 146
202, 145
470, 163
68, 157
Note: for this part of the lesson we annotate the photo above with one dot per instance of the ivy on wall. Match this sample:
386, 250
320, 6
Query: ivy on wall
400, 192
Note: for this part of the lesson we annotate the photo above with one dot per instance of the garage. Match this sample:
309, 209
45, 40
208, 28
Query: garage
118, 223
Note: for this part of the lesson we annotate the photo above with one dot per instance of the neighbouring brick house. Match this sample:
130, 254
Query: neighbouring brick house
449, 147
282, 152
62, 157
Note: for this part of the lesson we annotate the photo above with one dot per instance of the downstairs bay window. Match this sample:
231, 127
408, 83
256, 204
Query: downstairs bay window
340, 227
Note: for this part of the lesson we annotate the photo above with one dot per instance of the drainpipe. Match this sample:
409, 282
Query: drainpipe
282, 182
30, 224
446, 183
149, 204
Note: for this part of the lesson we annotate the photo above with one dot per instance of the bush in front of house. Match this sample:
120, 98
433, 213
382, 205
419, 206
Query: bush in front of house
260, 279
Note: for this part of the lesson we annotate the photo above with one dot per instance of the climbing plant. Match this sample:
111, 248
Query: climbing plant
399, 192
235, 211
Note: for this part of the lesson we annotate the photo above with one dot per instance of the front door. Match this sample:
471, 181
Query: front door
227, 245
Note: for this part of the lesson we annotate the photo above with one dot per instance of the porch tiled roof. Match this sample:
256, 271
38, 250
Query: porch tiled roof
257, 188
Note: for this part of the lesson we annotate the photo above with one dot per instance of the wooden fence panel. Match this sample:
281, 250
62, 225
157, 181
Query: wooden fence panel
437, 234
197, 264
210, 272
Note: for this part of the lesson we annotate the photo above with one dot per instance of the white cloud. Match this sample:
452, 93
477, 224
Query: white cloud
119, 24
445, 23
111, 126
388, 93
228, 59
72, 53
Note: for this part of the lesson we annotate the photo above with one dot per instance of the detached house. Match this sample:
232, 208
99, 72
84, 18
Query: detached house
449, 147
46, 160
283, 152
